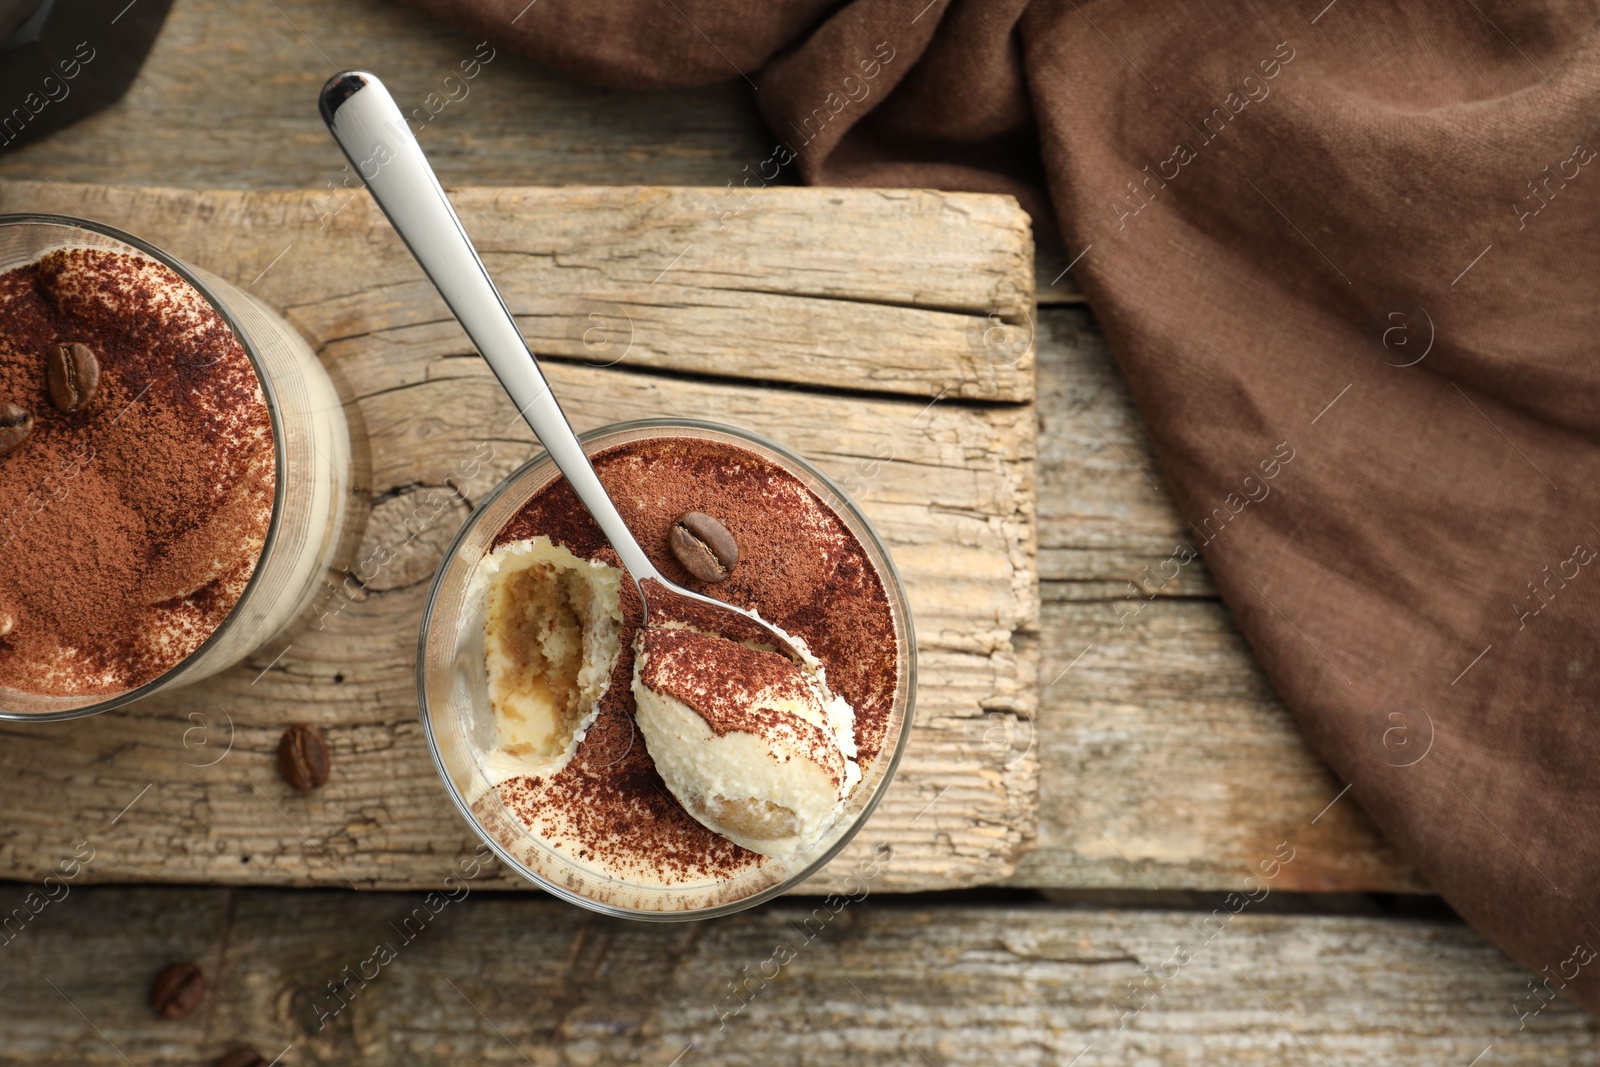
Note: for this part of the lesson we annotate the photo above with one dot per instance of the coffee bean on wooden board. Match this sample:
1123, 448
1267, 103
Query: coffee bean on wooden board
73, 374
243, 1056
703, 545
15, 426
177, 990
303, 756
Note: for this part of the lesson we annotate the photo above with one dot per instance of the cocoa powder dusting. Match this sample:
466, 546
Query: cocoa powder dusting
734, 687
127, 528
799, 567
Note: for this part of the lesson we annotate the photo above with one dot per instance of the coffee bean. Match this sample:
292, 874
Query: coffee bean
303, 756
177, 990
243, 1056
15, 426
703, 545
73, 375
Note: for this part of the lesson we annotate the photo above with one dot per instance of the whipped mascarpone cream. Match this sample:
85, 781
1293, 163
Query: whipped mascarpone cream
752, 744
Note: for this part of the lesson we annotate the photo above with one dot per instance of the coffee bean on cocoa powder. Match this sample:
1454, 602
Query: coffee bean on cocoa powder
243, 1056
177, 990
303, 756
15, 426
73, 374
703, 545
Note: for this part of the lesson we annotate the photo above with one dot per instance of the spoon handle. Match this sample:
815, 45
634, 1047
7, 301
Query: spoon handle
374, 135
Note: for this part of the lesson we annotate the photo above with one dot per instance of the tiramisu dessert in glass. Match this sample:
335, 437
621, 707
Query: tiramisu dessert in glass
667, 772
174, 470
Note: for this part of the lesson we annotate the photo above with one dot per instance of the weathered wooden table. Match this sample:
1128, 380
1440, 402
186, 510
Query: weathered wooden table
1086, 786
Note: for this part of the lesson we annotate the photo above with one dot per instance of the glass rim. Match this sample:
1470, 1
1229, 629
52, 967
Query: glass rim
274, 417
894, 590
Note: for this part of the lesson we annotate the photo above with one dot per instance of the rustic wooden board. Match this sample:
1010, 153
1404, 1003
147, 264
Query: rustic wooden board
497, 979
950, 485
1166, 760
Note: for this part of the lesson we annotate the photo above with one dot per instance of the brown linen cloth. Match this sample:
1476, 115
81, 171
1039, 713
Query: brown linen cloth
1347, 256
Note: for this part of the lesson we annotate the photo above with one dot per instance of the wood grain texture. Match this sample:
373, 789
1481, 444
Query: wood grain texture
1166, 759
950, 487
498, 979
816, 287
519, 124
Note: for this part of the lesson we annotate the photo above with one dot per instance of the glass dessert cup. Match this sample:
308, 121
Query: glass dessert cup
311, 450
460, 725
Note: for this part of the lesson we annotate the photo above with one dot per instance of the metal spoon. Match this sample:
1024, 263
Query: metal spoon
374, 135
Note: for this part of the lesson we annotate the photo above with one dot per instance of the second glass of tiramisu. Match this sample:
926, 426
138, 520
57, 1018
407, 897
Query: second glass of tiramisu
174, 470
